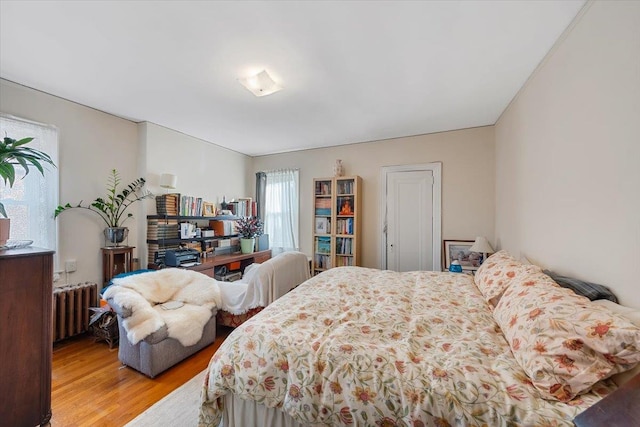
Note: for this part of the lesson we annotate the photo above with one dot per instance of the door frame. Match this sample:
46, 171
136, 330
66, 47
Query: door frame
436, 170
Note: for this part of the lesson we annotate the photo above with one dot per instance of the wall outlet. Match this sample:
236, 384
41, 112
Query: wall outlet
70, 266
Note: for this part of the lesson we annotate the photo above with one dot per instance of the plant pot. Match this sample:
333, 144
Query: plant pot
116, 235
5, 223
247, 245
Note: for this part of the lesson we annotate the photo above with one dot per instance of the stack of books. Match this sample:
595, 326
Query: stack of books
243, 207
168, 204
157, 252
323, 206
161, 229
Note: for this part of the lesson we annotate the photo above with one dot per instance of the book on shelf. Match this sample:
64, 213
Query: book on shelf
323, 225
344, 246
323, 206
163, 229
345, 206
168, 204
344, 226
243, 207
191, 206
323, 245
322, 261
344, 261
323, 188
157, 252
345, 186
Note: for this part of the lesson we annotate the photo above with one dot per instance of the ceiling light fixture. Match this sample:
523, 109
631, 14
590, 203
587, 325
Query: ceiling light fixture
261, 84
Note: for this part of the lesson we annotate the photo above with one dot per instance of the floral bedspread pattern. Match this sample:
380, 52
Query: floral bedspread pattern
356, 346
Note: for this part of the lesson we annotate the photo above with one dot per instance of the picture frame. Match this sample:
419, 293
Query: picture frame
322, 225
460, 250
208, 209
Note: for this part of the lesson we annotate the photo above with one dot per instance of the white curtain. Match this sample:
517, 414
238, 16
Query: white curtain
281, 210
31, 202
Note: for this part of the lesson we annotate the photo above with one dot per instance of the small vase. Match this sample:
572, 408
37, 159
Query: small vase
338, 169
247, 245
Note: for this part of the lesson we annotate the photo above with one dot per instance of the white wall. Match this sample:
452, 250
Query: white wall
203, 169
568, 154
468, 200
91, 143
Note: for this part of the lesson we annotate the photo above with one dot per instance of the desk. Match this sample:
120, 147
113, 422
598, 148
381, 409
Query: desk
208, 265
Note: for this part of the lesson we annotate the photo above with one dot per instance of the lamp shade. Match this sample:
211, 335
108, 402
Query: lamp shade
168, 180
481, 245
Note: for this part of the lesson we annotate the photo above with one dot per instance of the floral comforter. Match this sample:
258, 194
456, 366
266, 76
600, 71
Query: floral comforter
358, 346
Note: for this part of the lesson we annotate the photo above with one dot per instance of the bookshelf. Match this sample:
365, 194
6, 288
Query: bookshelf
336, 222
163, 229
163, 233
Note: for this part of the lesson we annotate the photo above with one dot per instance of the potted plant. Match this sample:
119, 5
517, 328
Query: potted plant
113, 208
13, 153
248, 228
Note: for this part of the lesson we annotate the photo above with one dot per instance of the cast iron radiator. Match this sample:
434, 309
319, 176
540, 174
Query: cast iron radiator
71, 312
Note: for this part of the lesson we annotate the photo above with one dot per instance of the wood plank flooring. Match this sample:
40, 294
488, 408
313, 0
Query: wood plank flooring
90, 387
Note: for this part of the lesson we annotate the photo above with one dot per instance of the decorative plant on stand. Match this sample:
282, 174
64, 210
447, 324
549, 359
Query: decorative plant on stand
113, 208
248, 228
13, 153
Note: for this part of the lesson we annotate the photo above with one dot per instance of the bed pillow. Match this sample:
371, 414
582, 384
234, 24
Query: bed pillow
564, 342
498, 272
593, 291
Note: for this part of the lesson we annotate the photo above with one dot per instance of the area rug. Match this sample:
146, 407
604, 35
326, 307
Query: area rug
178, 408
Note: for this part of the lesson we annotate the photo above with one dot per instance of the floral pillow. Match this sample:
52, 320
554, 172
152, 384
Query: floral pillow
563, 341
498, 272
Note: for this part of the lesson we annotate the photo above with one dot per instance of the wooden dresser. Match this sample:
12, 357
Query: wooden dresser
26, 280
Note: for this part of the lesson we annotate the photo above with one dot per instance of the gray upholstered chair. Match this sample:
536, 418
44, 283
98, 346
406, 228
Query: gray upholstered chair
157, 352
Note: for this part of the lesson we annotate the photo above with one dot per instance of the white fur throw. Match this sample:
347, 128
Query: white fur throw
142, 294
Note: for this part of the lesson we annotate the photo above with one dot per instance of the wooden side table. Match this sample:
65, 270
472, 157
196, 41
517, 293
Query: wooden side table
619, 409
116, 260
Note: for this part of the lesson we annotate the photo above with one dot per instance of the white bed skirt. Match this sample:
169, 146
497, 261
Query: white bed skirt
242, 413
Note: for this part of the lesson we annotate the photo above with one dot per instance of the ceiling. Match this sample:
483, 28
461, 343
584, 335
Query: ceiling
351, 71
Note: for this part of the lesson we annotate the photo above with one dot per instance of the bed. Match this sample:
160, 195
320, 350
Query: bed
355, 346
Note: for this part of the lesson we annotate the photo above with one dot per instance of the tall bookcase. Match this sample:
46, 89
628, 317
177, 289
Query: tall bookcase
337, 213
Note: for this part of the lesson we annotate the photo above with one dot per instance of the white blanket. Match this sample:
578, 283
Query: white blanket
264, 283
144, 293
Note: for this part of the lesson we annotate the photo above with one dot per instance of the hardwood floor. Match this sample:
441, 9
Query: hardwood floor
91, 388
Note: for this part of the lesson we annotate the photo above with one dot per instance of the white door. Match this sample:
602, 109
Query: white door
411, 229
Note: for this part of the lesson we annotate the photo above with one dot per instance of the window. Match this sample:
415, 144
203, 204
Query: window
281, 209
31, 201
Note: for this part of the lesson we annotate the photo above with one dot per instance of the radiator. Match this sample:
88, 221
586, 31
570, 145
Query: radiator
71, 312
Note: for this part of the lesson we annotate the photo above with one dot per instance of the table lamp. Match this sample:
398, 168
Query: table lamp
481, 245
168, 181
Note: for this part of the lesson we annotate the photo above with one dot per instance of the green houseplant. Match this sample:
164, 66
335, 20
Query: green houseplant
113, 207
16, 153
248, 228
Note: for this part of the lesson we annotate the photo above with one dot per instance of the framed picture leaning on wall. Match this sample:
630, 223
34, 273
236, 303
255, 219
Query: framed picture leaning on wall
208, 209
460, 250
